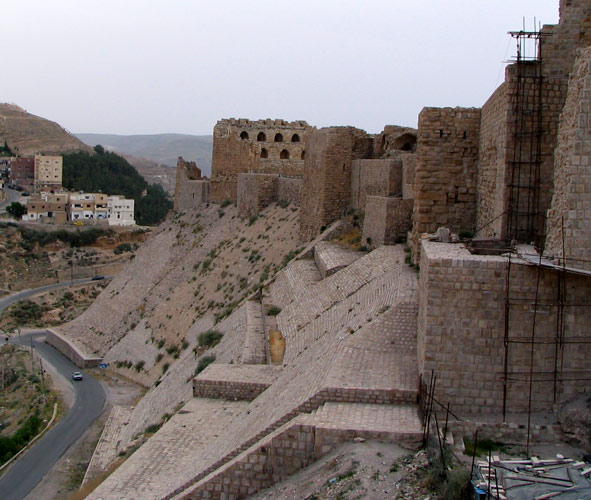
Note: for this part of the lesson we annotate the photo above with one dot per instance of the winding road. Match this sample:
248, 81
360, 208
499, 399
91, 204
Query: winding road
24, 474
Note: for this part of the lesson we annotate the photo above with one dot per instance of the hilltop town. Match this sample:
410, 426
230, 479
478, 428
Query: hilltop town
326, 286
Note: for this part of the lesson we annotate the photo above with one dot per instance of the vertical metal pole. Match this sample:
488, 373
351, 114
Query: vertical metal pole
506, 338
531, 357
440, 446
474, 453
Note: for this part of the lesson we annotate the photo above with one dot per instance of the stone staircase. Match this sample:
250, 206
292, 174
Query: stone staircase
351, 372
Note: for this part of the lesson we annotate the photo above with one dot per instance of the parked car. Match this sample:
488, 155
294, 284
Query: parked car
98, 278
76, 376
25, 193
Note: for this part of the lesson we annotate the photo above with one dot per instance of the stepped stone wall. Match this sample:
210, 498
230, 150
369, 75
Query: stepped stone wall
326, 190
375, 178
387, 220
571, 211
461, 330
446, 171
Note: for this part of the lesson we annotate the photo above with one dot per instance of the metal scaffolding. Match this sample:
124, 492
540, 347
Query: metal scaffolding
525, 221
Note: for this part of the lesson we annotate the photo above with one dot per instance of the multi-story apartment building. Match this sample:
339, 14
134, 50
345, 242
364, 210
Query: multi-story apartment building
22, 172
61, 207
85, 206
48, 172
120, 211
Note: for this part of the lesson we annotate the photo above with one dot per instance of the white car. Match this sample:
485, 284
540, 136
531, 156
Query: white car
76, 376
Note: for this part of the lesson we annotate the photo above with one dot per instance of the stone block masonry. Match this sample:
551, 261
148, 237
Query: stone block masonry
289, 190
375, 178
387, 220
461, 331
446, 171
326, 191
570, 212
255, 192
263, 146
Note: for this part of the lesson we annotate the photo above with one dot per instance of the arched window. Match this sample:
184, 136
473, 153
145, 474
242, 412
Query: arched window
295, 138
264, 153
278, 138
261, 137
284, 155
244, 135
303, 155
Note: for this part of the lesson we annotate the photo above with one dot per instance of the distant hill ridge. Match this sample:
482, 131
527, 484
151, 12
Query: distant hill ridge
27, 134
161, 148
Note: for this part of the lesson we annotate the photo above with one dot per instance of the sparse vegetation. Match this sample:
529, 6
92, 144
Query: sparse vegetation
204, 363
210, 338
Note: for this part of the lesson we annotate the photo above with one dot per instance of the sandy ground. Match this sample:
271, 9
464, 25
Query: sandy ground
69, 471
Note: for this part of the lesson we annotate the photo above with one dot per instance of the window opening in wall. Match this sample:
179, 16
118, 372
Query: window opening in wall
244, 135
278, 138
440, 133
261, 137
284, 155
295, 138
465, 134
303, 155
264, 153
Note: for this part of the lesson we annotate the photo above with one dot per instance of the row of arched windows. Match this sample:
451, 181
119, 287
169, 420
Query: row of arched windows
284, 155
262, 137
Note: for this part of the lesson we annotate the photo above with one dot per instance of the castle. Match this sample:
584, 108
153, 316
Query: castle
513, 174
494, 204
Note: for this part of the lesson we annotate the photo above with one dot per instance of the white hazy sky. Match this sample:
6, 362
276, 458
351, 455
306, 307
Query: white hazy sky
149, 66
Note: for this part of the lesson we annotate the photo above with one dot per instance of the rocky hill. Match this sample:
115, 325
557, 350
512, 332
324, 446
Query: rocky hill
27, 134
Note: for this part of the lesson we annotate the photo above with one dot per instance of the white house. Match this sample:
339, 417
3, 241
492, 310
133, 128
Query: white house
120, 211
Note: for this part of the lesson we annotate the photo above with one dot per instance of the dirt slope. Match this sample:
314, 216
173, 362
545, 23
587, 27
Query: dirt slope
27, 134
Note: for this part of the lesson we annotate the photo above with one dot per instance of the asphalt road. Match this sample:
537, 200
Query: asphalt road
11, 195
24, 474
15, 297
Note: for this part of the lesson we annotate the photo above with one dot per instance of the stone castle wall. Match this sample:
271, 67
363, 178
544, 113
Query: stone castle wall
492, 158
501, 123
264, 146
387, 220
289, 190
446, 171
190, 190
409, 163
461, 331
326, 190
255, 192
375, 178
571, 210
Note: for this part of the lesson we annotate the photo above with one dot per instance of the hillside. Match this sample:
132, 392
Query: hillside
27, 134
164, 149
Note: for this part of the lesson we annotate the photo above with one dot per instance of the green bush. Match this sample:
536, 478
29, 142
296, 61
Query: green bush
210, 338
123, 247
10, 446
273, 311
204, 363
225, 203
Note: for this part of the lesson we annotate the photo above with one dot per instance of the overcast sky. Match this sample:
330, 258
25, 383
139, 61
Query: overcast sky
148, 66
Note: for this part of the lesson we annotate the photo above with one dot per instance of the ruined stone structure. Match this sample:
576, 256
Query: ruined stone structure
191, 189
263, 146
326, 191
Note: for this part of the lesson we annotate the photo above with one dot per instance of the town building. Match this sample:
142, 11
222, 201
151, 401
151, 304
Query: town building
48, 172
120, 211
